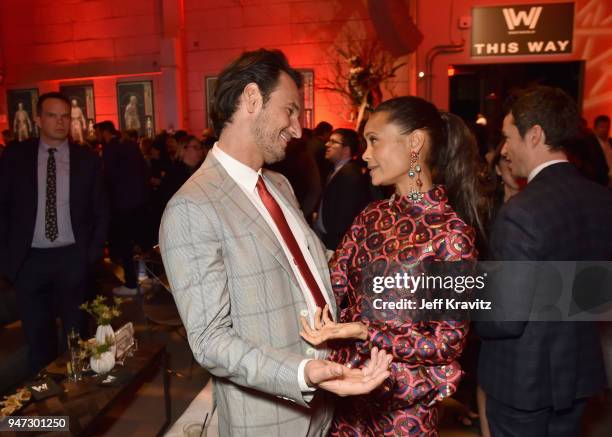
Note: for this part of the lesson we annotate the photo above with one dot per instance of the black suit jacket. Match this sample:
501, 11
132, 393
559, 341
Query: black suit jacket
177, 175
125, 172
344, 197
19, 196
560, 215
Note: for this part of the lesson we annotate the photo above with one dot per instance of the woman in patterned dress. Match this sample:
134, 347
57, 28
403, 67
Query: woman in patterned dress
431, 159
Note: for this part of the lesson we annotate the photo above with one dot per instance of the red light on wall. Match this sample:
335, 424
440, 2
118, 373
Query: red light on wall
450, 71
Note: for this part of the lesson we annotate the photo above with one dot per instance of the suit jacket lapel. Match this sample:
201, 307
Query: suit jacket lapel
241, 209
312, 243
322, 266
73, 177
33, 181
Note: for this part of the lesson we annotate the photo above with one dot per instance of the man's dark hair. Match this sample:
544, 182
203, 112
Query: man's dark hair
550, 108
350, 139
106, 126
323, 129
132, 134
262, 67
601, 119
180, 135
51, 95
452, 156
210, 142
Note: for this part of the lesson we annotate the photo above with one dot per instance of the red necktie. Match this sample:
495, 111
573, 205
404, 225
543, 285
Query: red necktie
283, 227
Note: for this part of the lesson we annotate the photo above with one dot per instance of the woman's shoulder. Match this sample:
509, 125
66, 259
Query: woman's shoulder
456, 236
359, 228
454, 221
375, 205
372, 212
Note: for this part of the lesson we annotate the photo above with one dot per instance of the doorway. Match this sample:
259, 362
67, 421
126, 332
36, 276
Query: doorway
482, 89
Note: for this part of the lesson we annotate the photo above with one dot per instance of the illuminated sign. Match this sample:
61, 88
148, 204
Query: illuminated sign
545, 29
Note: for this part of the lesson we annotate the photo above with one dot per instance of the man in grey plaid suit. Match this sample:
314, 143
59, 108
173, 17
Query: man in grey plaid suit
244, 266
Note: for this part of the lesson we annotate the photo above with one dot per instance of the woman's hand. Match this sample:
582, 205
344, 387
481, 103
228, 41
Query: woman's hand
326, 329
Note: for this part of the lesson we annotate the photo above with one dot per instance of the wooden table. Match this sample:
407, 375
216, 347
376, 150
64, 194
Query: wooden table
85, 402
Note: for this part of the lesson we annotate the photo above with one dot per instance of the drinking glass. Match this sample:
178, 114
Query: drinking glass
195, 429
74, 365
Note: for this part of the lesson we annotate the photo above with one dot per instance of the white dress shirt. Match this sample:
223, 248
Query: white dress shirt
246, 178
65, 235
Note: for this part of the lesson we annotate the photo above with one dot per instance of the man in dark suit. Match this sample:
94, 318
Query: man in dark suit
538, 375
7, 139
125, 174
601, 128
315, 146
53, 223
346, 192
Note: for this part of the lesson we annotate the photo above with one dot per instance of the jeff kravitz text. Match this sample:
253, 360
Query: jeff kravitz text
434, 304
413, 283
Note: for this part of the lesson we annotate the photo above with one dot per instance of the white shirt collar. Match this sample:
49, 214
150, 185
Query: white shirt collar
60, 147
604, 143
542, 166
242, 174
341, 163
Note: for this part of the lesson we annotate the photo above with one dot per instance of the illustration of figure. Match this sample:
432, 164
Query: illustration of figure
91, 132
149, 127
131, 116
22, 125
77, 122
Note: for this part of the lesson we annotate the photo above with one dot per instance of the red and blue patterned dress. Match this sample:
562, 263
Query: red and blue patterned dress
388, 237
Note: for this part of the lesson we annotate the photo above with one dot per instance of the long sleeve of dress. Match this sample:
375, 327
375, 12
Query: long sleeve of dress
393, 236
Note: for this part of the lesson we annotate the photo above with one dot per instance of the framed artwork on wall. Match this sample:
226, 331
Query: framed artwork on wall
82, 111
210, 85
307, 94
21, 105
135, 108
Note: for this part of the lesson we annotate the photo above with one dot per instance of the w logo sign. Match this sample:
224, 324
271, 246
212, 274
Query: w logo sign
522, 18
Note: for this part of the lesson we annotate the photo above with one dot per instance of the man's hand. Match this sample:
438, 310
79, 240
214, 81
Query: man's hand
345, 381
326, 329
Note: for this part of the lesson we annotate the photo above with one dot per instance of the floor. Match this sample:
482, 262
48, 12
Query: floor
142, 414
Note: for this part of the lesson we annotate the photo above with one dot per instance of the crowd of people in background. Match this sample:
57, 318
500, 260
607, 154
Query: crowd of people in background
172, 156
324, 167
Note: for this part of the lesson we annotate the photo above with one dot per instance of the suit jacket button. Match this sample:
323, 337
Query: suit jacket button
304, 313
310, 351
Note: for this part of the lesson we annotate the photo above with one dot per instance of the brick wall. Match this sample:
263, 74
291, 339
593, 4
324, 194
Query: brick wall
592, 43
46, 43
306, 31
104, 41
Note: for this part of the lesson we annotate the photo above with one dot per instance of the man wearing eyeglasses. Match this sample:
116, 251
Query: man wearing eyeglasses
346, 192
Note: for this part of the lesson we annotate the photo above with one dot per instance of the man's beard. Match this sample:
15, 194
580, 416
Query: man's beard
267, 140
